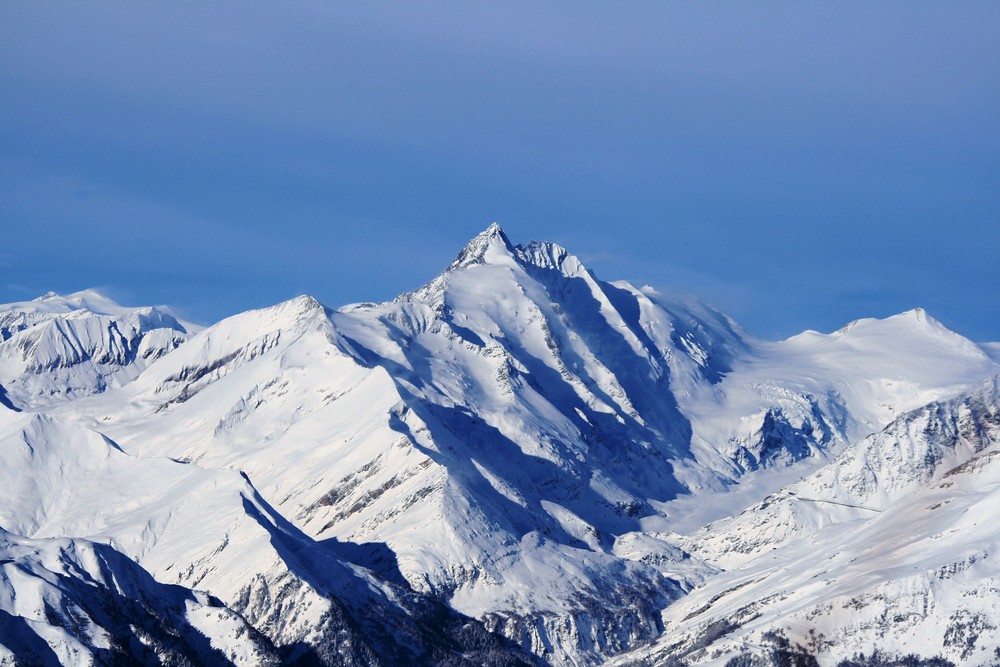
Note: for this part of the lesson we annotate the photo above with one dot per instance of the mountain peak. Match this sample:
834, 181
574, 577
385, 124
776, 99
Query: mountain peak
547, 255
488, 245
89, 300
904, 320
92, 300
918, 314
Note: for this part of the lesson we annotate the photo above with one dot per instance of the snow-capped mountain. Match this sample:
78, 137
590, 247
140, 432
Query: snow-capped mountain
211, 530
893, 547
57, 348
516, 442
69, 601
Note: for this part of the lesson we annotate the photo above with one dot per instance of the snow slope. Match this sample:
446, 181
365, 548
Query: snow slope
211, 530
833, 388
862, 481
517, 439
71, 601
57, 348
893, 547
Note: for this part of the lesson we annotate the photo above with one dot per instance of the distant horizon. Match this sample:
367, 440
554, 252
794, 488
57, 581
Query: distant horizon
796, 166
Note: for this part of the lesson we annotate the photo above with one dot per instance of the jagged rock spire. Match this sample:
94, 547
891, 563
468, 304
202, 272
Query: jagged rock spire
482, 247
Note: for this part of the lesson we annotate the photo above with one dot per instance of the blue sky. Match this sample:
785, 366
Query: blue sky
796, 164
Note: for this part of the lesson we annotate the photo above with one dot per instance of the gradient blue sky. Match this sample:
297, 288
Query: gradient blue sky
796, 164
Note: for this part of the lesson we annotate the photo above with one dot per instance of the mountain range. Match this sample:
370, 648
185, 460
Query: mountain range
517, 463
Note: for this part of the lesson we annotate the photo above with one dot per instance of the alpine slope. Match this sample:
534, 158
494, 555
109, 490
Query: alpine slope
516, 463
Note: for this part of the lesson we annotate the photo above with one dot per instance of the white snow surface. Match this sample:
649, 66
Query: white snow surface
71, 601
892, 547
538, 448
58, 348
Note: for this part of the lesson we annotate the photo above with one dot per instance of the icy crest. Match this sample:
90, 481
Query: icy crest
57, 347
547, 255
490, 245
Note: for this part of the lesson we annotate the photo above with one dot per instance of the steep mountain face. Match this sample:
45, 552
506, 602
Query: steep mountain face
864, 480
305, 601
510, 443
390, 420
57, 348
814, 393
67, 601
892, 548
